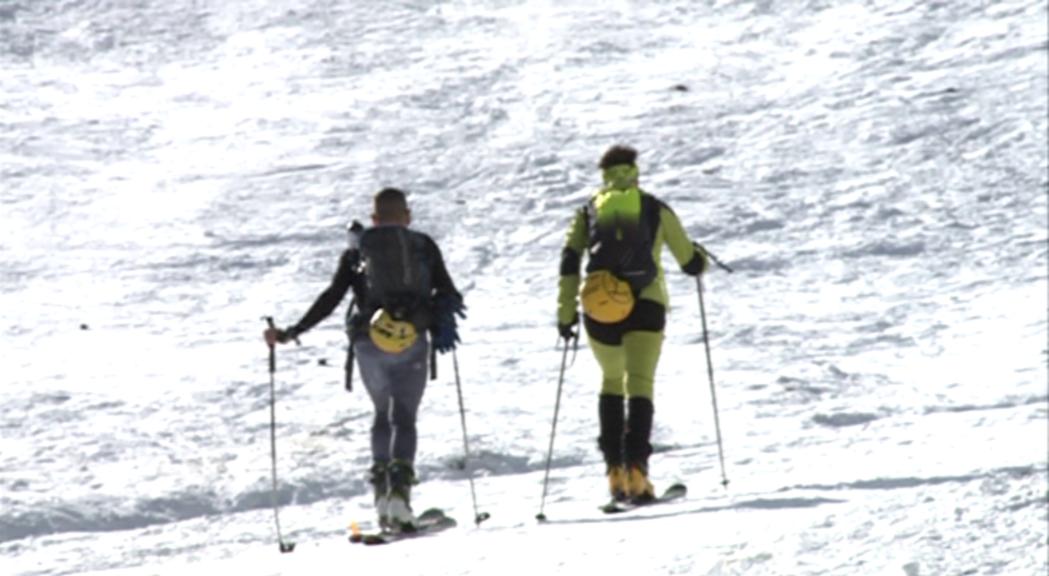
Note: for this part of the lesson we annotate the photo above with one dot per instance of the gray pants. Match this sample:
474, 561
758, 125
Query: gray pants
395, 383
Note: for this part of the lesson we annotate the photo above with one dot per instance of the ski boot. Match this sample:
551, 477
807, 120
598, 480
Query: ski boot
618, 483
380, 483
399, 515
639, 489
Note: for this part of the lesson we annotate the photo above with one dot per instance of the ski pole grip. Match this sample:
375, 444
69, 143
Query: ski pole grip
273, 355
713, 258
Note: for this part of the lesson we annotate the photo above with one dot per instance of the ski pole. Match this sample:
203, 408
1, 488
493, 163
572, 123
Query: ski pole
478, 516
553, 430
711, 255
285, 547
710, 376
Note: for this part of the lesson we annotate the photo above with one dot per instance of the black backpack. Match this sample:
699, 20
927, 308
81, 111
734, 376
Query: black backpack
624, 248
397, 273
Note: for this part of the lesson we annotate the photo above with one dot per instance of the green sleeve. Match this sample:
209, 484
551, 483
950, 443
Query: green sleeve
571, 266
681, 246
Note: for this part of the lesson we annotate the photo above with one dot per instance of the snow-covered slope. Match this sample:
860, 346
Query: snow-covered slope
875, 173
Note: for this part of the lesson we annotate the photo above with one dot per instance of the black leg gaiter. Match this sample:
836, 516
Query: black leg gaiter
610, 411
639, 429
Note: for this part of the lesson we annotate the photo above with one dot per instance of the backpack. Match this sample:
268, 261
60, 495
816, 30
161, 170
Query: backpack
397, 273
621, 227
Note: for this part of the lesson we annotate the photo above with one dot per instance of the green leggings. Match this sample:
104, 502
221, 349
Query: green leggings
630, 368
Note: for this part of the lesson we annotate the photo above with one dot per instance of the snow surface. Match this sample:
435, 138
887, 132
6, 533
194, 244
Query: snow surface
875, 172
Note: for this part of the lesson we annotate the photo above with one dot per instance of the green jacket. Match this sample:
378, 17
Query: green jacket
668, 231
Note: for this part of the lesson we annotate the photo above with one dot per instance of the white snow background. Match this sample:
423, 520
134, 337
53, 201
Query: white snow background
874, 171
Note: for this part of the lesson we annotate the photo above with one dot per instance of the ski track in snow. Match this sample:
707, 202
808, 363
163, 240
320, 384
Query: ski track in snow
875, 173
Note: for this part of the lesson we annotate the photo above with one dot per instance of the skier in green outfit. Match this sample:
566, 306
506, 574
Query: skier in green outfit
622, 231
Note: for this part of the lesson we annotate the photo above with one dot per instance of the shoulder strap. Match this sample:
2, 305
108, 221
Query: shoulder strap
650, 206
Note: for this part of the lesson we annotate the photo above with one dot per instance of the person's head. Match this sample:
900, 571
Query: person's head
391, 207
619, 167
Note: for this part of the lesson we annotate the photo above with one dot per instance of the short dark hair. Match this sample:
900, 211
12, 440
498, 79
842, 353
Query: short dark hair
390, 203
617, 155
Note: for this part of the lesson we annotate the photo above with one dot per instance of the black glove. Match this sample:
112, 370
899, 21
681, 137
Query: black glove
568, 331
698, 264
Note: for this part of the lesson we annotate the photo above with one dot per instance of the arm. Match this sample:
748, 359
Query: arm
345, 276
693, 261
446, 304
571, 266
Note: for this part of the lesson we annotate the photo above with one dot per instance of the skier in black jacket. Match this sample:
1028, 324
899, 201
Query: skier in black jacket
405, 301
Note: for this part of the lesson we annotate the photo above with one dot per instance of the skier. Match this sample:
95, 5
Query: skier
403, 294
622, 231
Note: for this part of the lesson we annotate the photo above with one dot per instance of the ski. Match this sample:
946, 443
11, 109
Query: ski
429, 522
673, 492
